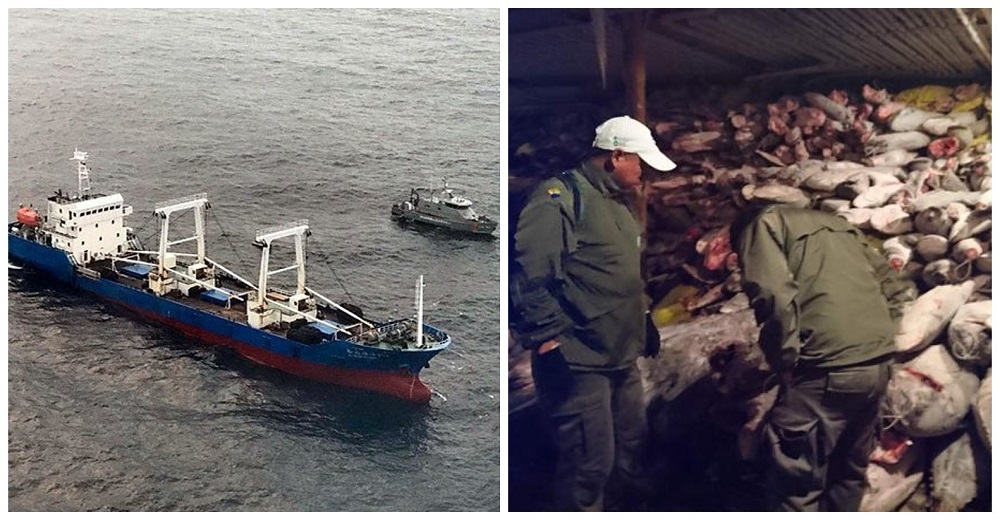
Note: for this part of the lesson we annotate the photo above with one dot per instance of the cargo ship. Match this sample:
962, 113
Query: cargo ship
82, 240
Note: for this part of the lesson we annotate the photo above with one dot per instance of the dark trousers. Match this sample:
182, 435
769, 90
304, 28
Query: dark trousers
599, 427
819, 437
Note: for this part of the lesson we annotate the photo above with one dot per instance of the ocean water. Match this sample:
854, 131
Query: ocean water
278, 115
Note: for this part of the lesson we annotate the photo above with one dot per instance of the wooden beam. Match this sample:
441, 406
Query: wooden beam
601, 42
635, 96
635, 63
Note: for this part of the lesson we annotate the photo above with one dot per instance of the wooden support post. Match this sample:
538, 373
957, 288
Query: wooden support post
635, 95
635, 63
599, 21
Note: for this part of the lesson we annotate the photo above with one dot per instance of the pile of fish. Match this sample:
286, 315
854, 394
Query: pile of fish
918, 180
914, 171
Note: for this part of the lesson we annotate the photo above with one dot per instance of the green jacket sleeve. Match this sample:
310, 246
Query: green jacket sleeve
897, 290
772, 291
544, 235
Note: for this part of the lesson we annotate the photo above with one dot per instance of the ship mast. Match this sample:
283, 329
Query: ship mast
83, 174
420, 311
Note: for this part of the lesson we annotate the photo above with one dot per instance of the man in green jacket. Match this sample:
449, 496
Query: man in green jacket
828, 306
577, 300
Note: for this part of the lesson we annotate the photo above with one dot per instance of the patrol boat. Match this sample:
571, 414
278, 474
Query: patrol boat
82, 240
444, 209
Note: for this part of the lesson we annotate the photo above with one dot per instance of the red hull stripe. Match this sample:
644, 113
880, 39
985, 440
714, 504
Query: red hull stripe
401, 384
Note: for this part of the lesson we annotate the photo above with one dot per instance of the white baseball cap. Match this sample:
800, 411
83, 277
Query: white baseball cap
628, 135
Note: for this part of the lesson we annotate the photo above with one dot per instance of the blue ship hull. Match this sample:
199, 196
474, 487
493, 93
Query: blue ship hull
393, 372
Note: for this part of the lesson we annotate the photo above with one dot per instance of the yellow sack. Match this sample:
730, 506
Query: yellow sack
670, 315
968, 106
984, 138
923, 97
670, 309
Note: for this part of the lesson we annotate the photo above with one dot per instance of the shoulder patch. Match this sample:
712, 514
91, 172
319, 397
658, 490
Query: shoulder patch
548, 187
554, 191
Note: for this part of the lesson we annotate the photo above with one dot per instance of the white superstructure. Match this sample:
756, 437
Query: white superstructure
89, 227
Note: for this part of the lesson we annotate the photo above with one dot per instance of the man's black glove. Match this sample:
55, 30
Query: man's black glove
552, 374
652, 338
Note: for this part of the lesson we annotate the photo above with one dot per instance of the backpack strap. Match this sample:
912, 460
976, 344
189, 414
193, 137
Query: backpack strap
569, 179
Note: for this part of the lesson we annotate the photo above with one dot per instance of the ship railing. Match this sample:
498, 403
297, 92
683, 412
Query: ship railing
157, 253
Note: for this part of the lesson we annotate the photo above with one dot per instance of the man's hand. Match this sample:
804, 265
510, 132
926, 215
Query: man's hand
652, 347
551, 344
552, 374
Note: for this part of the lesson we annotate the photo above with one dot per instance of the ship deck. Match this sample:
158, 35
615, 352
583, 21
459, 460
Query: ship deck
236, 309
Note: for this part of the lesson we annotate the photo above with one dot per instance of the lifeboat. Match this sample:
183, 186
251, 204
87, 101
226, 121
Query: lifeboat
29, 217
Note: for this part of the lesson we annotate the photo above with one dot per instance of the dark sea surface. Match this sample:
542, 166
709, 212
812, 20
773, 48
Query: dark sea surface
278, 115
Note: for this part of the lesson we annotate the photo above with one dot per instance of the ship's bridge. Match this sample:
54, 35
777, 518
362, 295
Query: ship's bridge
88, 227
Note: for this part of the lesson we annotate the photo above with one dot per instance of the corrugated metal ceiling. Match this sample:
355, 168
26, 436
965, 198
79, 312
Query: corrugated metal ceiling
555, 48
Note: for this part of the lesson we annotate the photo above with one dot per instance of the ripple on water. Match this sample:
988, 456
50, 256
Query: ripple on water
326, 115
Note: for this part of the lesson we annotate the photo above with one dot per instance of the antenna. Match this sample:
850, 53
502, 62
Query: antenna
83, 174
